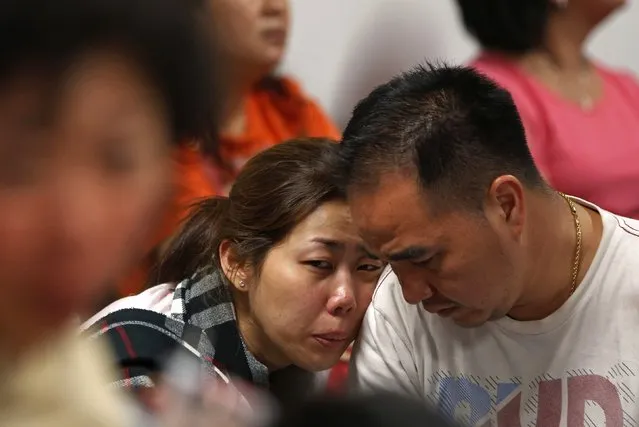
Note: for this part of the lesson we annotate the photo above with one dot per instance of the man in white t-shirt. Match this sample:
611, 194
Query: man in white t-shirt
508, 304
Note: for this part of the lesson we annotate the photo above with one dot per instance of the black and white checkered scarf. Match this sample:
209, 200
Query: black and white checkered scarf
202, 324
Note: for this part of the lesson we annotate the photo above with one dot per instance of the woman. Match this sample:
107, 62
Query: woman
93, 97
581, 118
262, 109
266, 285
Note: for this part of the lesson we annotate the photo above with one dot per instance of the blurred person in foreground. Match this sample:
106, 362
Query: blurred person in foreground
262, 108
267, 286
94, 95
581, 117
508, 303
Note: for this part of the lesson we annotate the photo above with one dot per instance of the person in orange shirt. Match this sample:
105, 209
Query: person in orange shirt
262, 109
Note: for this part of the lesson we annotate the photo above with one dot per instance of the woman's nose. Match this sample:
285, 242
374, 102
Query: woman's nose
342, 299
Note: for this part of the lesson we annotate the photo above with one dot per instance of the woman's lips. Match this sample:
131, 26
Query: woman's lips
332, 339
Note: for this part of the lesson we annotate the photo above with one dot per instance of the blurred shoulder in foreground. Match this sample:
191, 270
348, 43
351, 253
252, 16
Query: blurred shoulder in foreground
62, 384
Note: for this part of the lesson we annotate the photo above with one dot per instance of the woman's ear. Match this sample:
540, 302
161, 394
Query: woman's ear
234, 272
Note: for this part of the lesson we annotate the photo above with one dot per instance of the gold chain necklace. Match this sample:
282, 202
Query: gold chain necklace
577, 261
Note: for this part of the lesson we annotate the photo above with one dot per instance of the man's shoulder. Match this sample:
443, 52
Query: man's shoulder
630, 228
620, 240
617, 229
616, 259
625, 244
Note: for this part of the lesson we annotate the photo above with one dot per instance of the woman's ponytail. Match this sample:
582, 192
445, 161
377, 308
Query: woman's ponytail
195, 248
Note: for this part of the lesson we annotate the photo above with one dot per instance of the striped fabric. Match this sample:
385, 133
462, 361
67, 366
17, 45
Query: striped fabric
202, 325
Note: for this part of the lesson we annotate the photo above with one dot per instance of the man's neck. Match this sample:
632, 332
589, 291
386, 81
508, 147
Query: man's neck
552, 253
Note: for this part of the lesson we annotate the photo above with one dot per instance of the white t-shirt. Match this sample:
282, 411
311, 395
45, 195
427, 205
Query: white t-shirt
577, 367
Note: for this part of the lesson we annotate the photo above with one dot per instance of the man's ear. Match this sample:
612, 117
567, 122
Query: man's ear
505, 204
235, 273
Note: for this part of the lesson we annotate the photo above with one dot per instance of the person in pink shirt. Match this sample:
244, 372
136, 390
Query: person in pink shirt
581, 117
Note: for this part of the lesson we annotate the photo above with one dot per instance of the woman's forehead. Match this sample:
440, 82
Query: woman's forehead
331, 222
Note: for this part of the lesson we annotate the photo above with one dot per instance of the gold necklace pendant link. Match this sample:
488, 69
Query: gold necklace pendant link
578, 243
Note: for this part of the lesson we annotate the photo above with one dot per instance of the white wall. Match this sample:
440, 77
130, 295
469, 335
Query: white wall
340, 49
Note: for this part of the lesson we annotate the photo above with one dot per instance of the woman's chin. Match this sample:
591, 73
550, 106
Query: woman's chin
315, 362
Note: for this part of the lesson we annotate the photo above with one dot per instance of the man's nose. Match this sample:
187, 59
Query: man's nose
415, 289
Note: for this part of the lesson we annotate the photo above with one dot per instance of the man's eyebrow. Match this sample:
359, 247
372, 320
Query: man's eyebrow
410, 253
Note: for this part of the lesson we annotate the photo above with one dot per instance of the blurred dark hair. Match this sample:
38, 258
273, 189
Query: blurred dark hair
163, 37
450, 128
274, 192
506, 26
377, 410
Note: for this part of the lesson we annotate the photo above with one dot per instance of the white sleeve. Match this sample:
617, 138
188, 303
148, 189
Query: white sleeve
383, 358
158, 299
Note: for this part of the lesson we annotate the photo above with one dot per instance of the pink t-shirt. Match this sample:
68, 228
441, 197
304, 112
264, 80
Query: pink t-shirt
591, 154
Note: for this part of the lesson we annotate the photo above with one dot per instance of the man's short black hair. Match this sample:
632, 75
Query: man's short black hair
507, 26
451, 128
164, 38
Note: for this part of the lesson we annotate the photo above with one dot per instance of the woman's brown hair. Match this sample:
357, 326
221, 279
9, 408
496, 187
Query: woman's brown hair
275, 191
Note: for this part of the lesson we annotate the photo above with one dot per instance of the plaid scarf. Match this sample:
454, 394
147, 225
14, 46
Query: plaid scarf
202, 324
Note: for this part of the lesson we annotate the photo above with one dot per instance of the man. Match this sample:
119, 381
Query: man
508, 303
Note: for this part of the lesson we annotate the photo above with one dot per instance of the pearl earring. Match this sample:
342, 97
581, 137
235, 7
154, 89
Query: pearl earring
242, 284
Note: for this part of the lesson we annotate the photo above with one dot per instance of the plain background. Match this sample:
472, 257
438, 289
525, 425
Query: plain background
341, 49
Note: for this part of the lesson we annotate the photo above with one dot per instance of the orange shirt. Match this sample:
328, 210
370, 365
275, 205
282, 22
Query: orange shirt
273, 115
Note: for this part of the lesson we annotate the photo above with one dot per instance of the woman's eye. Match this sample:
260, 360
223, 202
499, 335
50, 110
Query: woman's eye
369, 267
322, 265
